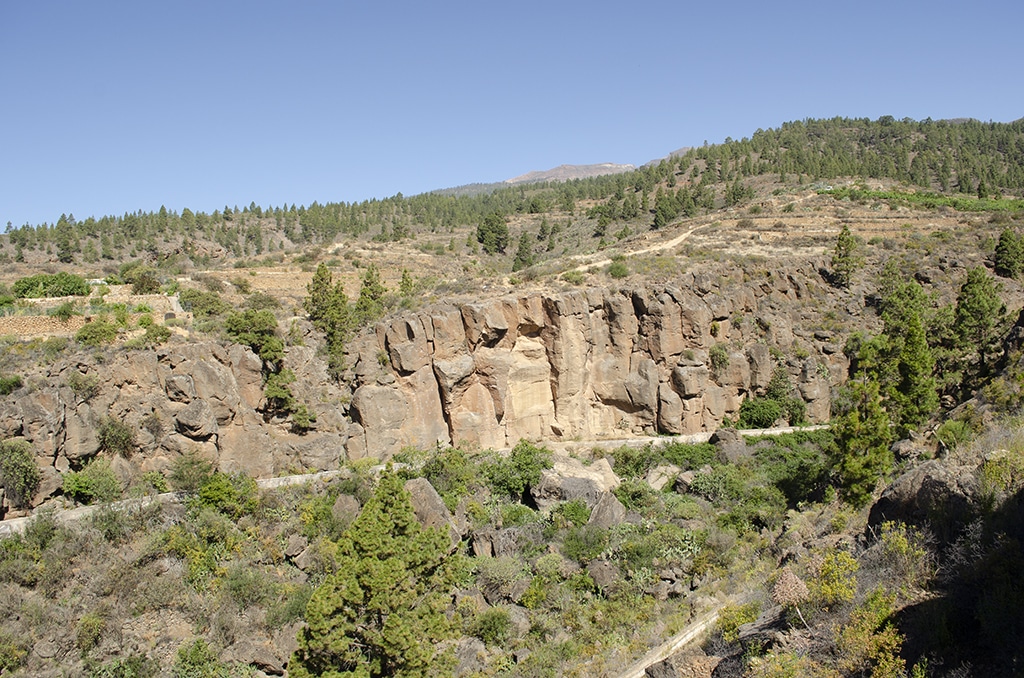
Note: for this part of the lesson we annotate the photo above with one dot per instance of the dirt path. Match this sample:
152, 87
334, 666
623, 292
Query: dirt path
647, 250
691, 633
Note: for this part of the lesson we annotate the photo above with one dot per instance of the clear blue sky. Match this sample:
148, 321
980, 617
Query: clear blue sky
110, 107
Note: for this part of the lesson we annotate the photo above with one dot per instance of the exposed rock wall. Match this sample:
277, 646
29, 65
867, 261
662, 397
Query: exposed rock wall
203, 397
585, 364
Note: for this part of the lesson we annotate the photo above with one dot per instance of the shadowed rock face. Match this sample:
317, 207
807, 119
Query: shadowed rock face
585, 364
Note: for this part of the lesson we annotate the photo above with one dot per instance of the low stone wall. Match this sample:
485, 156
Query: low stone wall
30, 326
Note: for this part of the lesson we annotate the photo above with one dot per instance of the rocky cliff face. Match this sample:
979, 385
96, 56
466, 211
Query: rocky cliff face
586, 364
202, 397
583, 364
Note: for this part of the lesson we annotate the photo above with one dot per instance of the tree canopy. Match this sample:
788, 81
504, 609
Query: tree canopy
381, 613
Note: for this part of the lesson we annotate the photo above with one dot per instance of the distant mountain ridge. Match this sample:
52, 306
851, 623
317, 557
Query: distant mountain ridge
567, 172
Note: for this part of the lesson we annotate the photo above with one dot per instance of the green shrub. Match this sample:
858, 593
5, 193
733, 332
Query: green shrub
9, 384
641, 549
232, 495
634, 462
89, 631
511, 476
573, 513
85, 386
189, 472
54, 347
451, 473
636, 495
111, 523
290, 607
513, 515
45, 285
760, 506
906, 553
96, 333
497, 575
796, 464
247, 586
13, 652
116, 437
19, 473
835, 582
156, 480
760, 412
584, 544
259, 301
719, 356
618, 270
202, 304
96, 482
198, 660
64, 312
493, 626
135, 666
954, 432
1002, 473
721, 484
573, 277
687, 456
732, 617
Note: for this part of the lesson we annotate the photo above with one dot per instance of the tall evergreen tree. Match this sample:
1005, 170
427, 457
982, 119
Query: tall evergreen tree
1009, 255
978, 313
860, 452
845, 258
329, 311
381, 613
524, 253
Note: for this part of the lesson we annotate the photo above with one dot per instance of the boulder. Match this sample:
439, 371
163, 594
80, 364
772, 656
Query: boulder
569, 479
180, 388
296, 545
345, 509
605, 574
936, 493
670, 410
660, 476
608, 512
731, 446
470, 656
197, 420
430, 509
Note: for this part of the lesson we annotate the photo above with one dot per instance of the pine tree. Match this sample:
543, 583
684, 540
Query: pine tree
370, 304
406, 287
524, 253
978, 313
913, 398
329, 311
382, 611
860, 452
492, 233
1009, 255
845, 259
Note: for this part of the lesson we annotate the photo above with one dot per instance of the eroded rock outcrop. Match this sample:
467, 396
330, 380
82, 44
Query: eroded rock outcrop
585, 364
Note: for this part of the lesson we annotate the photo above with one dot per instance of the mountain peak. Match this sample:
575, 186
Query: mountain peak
567, 172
